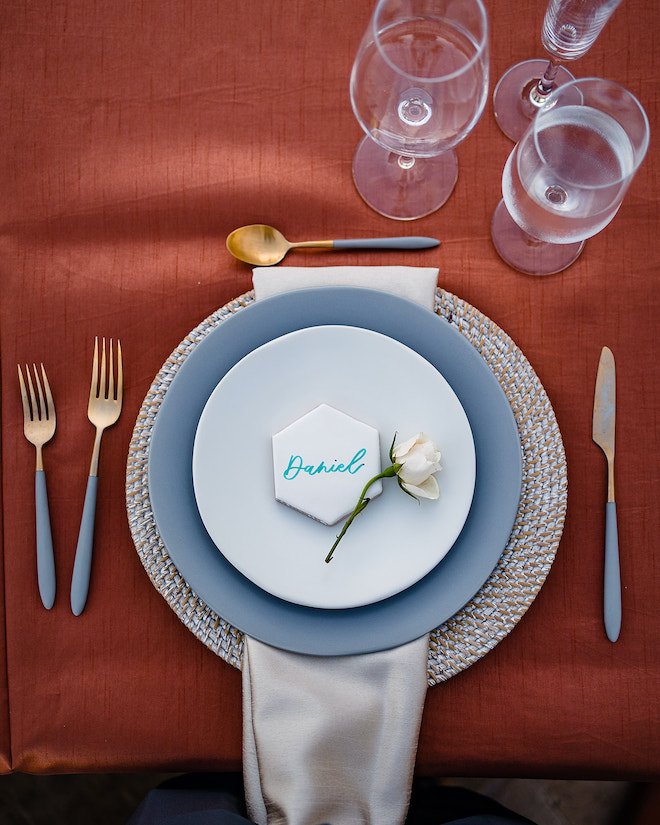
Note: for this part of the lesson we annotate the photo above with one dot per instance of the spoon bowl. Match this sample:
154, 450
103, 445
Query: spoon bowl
262, 245
259, 244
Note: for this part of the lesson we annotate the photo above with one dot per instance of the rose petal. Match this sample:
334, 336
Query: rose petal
400, 451
415, 469
428, 489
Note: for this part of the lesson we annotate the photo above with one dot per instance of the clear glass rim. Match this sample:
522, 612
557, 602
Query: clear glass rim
640, 151
481, 46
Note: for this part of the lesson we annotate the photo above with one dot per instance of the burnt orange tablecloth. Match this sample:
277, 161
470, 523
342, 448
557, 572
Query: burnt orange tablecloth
135, 135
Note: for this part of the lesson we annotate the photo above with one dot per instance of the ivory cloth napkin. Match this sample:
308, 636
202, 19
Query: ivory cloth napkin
416, 283
333, 739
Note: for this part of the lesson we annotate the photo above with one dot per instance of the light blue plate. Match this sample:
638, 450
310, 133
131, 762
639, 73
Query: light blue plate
385, 624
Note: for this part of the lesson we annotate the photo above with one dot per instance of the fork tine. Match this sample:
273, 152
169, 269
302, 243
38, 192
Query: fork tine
94, 387
33, 398
120, 373
41, 411
111, 375
24, 396
101, 391
50, 404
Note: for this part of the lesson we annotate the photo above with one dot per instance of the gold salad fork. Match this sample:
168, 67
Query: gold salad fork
39, 427
105, 398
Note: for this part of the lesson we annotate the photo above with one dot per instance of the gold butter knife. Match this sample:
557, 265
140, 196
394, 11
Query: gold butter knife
603, 435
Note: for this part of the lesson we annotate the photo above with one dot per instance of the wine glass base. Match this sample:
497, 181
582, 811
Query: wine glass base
513, 109
526, 254
403, 188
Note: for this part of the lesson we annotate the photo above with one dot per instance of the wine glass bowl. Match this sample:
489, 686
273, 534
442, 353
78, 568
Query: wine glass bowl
418, 86
570, 28
566, 178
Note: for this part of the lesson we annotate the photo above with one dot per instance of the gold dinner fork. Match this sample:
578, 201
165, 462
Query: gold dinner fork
39, 427
103, 410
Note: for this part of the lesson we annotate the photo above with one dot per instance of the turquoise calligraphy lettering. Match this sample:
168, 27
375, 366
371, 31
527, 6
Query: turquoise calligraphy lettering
296, 465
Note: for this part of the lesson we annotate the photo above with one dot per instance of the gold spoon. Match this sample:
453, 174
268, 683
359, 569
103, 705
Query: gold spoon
262, 245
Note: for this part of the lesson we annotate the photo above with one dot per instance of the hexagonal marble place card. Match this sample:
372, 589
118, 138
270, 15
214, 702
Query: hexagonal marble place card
322, 462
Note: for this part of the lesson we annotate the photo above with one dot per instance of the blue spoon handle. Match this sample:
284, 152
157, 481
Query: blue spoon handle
386, 243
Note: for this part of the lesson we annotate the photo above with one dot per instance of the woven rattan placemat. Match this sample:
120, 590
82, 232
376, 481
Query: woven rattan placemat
525, 562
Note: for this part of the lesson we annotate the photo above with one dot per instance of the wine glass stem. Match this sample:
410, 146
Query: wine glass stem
546, 84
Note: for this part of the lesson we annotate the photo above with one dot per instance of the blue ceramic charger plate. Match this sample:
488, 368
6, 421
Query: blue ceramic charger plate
384, 624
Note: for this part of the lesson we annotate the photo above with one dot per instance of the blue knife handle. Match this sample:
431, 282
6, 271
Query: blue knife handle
82, 566
612, 575
45, 556
387, 243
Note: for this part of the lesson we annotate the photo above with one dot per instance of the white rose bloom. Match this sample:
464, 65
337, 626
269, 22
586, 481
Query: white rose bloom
420, 458
413, 465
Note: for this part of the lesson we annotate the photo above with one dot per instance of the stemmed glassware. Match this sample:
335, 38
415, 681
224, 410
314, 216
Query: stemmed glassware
419, 84
566, 178
570, 28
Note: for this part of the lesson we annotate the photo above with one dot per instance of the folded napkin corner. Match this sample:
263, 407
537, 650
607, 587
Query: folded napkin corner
331, 738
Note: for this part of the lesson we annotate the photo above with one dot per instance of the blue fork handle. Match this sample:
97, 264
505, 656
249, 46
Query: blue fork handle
612, 593
82, 566
387, 243
45, 555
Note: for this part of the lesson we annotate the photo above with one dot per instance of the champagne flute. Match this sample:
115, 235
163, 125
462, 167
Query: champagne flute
570, 28
566, 178
418, 86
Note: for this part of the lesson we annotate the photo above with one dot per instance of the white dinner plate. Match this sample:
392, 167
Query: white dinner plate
396, 541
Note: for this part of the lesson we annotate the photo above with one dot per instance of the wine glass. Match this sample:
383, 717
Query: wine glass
419, 84
570, 28
566, 178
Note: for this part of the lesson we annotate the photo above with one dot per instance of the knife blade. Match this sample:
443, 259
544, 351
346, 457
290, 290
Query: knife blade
604, 421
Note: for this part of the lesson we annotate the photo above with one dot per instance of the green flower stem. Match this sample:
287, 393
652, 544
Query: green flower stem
361, 504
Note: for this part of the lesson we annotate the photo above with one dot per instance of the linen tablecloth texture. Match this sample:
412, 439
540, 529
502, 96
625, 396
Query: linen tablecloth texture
136, 135
333, 739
